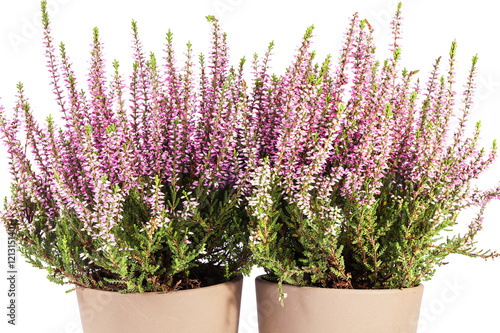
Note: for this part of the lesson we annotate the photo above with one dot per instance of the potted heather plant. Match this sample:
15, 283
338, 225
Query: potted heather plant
357, 187
134, 198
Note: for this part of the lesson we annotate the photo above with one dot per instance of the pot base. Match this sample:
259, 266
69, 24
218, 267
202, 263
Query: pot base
210, 309
323, 310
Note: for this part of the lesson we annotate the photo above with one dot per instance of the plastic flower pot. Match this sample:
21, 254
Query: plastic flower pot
321, 310
209, 309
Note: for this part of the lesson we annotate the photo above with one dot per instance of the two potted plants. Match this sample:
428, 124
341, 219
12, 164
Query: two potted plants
138, 203
134, 199
354, 201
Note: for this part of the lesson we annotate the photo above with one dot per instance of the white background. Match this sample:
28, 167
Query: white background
464, 296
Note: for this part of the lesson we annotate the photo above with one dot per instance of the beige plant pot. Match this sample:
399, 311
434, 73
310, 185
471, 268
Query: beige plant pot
209, 309
323, 310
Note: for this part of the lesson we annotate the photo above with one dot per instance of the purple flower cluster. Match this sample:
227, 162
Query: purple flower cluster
176, 124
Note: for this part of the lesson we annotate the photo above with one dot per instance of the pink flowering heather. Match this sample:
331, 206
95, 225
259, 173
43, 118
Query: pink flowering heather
357, 171
137, 189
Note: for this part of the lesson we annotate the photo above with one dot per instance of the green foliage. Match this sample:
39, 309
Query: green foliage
396, 242
207, 246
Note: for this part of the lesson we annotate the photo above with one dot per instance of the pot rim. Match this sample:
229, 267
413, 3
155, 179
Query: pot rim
337, 290
234, 280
